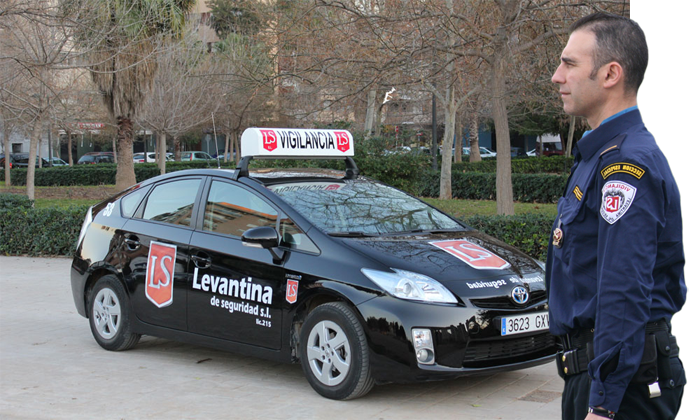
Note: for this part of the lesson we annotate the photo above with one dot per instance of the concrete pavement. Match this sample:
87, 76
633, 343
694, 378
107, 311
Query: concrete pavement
51, 368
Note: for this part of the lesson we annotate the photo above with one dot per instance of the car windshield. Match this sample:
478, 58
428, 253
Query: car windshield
362, 208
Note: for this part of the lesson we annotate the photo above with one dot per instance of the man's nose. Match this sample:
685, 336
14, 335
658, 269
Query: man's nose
557, 77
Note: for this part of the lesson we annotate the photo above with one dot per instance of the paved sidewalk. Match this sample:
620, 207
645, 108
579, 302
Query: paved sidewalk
51, 368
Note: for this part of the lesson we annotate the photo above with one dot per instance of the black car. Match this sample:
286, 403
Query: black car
21, 160
357, 281
92, 158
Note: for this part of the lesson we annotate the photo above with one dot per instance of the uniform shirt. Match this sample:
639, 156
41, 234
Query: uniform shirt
620, 260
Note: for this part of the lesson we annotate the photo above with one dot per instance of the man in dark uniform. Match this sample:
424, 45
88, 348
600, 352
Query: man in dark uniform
615, 259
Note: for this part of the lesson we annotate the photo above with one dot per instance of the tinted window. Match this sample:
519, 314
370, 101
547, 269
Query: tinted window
233, 210
294, 238
363, 207
131, 202
172, 202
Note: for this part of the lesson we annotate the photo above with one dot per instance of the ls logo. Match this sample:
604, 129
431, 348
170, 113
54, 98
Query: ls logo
160, 274
473, 254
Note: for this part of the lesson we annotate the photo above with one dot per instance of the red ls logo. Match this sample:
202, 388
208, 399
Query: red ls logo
269, 139
292, 290
612, 203
343, 140
160, 274
473, 254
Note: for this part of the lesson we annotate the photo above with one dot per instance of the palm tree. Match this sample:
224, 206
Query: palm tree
121, 43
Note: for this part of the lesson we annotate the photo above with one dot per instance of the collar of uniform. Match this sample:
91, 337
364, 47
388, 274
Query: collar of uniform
596, 139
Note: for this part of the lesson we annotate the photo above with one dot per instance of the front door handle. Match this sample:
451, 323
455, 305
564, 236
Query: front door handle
201, 261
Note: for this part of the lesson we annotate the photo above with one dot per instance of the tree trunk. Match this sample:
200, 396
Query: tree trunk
161, 152
474, 153
570, 137
6, 146
504, 185
70, 148
458, 141
227, 147
447, 141
33, 143
125, 154
176, 148
369, 116
236, 146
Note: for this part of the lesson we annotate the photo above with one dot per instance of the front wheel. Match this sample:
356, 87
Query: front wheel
334, 353
108, 311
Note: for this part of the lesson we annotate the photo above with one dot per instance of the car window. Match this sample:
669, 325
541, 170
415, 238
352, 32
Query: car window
232, 210
130, 202
172, 202
294, 238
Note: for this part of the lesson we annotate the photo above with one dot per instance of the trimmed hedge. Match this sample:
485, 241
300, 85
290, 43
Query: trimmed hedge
47, 232
527, 188
53, 231
527, 232
100, 174
543, 165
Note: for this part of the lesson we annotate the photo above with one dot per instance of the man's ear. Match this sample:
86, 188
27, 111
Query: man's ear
613, 74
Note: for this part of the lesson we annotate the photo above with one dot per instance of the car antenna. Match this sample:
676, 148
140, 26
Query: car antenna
216, 143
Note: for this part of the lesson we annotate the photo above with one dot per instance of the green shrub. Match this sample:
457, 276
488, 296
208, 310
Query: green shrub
528, 188
527, 232
47, 231
543, 165
15, 202
100, 174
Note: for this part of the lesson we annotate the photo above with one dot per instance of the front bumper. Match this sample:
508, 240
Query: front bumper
466, 340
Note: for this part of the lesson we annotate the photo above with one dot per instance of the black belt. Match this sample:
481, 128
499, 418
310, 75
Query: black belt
578, 348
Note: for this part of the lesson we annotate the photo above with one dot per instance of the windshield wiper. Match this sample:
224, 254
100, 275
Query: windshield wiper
352, 234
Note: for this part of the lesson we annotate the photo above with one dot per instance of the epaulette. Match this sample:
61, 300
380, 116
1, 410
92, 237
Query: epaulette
614, 144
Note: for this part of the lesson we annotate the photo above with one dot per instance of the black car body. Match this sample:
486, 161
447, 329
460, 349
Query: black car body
259, 263
91, 158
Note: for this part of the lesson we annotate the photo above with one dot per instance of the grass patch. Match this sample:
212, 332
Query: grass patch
44, 203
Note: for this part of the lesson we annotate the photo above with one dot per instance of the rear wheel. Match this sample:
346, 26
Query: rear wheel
335, 354
108, 311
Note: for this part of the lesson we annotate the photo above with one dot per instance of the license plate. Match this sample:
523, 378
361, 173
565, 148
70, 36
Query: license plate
524, 323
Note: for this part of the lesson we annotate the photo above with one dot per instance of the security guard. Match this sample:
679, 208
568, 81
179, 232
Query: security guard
615, 259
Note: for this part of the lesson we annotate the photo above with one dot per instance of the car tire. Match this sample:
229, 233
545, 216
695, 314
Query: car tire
108, 311
334, 352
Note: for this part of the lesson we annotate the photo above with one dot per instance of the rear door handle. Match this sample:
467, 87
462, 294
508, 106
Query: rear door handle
201, 261
132, 242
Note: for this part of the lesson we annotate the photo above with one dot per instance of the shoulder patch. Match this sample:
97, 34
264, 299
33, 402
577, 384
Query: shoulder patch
617, 199
578, 193
622, 168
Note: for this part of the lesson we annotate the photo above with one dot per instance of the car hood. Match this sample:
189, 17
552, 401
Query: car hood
469, 263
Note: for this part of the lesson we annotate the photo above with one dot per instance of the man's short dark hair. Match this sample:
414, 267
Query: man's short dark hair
617, 39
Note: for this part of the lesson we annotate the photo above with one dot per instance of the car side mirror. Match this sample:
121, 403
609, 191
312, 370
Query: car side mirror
261, 237
265, 237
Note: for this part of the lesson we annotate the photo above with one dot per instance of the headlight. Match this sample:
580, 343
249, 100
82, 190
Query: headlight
412, 286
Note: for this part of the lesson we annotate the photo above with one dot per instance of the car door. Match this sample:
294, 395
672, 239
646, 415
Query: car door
237, 291
156, 241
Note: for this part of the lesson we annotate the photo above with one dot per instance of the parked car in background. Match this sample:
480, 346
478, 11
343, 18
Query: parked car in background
22, 161
484, 152
552, 149
10, 157
517, 151
532, 153
189, 156
91, 158
140, 157
55, 161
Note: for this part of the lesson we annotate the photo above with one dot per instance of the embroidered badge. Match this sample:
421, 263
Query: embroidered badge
617, 199
622, 168
578, 193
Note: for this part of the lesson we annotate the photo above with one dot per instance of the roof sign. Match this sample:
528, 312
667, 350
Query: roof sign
293, 142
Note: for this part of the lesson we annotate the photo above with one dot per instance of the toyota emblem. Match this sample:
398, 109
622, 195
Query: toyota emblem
520, 295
